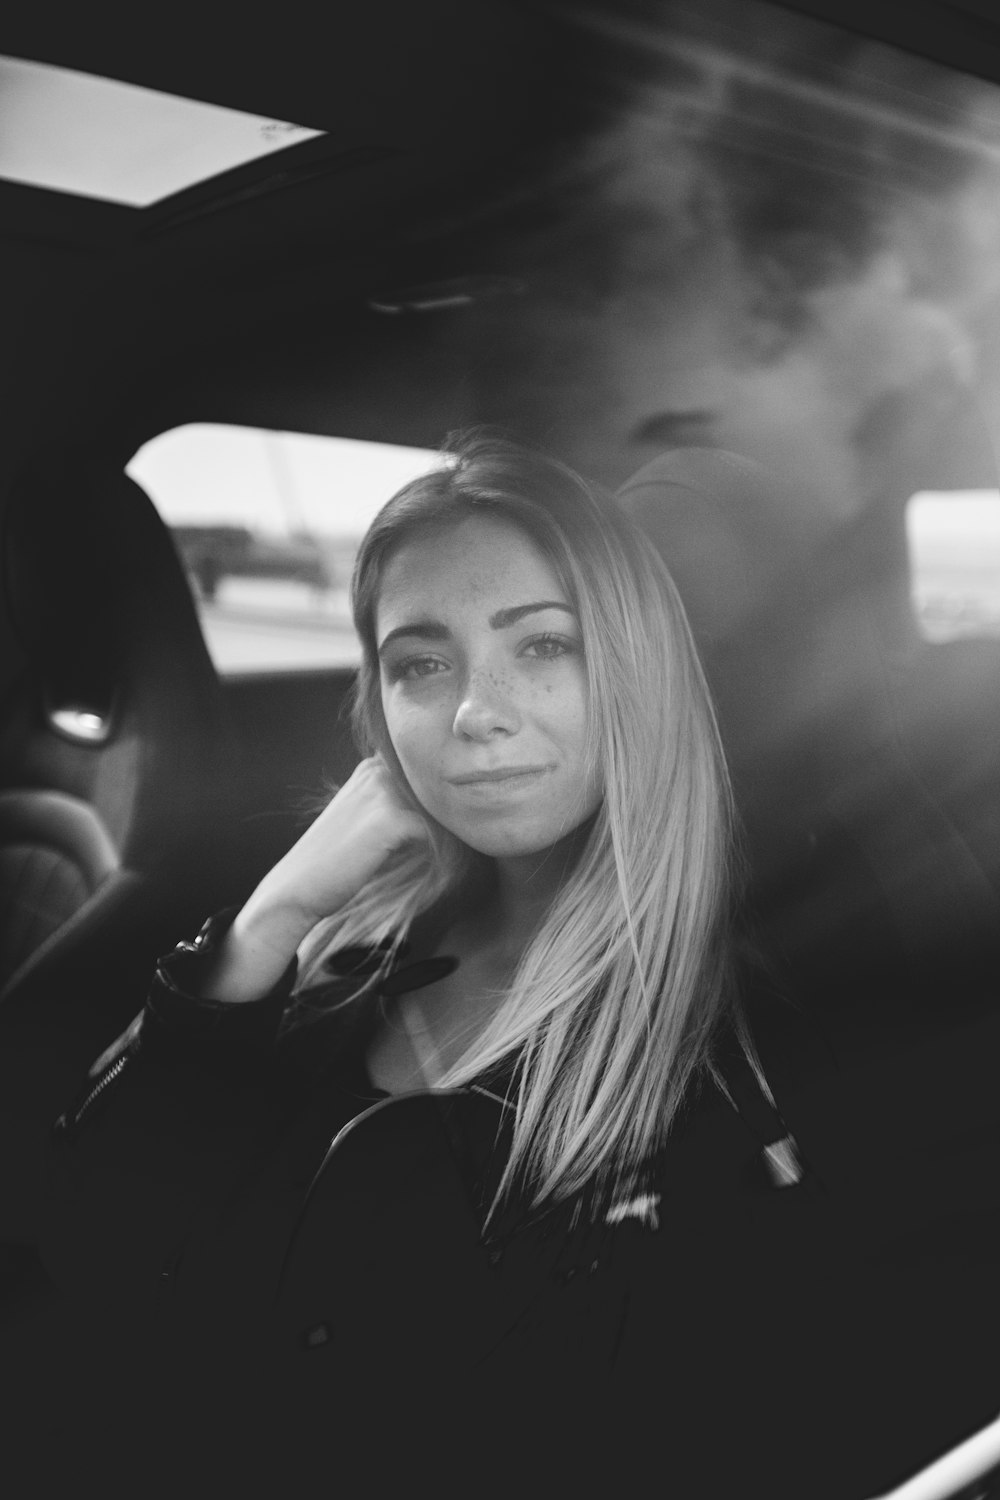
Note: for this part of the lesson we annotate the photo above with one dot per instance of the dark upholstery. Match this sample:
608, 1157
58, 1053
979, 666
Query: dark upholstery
118, 785
55, 855
866, 888
107, 629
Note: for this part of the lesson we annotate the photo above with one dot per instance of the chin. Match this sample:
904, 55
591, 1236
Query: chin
499, 843
494, 844
513, 849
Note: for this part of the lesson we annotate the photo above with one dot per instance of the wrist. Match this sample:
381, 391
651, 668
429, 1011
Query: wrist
267, 925
194, 973
183, 1002
258, 949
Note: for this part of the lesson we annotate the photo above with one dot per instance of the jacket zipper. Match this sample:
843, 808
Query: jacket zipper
71, 1122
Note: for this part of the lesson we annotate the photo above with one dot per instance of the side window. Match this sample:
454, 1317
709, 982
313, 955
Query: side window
954, 546
267, 525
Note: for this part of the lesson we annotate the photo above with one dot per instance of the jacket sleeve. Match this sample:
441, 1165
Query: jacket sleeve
186, 1098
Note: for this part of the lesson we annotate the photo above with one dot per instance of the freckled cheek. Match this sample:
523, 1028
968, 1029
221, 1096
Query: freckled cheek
565, 714
416, 738
570, 730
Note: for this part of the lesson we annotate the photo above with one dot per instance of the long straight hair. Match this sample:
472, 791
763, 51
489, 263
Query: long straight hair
611, 1013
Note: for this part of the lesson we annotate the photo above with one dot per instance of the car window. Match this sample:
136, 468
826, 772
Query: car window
954, 546
267, 525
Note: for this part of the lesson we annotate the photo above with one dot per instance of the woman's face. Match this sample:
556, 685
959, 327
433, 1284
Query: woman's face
484, 687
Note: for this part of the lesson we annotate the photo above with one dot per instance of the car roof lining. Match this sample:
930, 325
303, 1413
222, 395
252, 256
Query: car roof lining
290, 272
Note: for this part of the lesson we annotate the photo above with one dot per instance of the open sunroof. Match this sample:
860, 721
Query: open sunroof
118, 142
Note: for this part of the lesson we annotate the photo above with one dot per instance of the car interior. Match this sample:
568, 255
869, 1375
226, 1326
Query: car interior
737, 261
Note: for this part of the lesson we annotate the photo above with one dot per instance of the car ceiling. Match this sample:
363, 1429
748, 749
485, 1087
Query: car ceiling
452, 92
455, 132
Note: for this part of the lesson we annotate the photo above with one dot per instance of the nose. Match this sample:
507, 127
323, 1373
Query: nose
487, 708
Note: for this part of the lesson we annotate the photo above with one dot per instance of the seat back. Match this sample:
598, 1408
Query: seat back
115, 752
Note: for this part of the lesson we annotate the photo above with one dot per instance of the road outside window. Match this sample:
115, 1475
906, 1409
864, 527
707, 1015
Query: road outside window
954, 543
267, 525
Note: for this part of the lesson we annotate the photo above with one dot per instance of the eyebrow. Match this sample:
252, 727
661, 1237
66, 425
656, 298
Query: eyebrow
434, 630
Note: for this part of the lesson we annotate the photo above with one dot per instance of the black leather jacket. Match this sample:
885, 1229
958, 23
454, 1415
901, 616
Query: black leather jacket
277, 1258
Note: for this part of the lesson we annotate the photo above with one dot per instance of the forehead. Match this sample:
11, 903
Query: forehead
479, 563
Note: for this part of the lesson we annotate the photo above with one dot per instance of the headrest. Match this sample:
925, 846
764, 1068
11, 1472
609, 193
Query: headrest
118, 703
93, 587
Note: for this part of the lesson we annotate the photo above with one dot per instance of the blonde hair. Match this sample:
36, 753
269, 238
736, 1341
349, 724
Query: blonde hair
610, 1016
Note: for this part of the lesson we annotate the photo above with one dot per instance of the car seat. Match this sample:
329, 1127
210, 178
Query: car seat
865, 894
117, 777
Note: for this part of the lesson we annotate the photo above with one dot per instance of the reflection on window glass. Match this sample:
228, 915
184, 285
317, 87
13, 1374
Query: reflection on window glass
267, 525
954, 543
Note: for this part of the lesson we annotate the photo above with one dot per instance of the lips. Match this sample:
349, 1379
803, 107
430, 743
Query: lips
498, 774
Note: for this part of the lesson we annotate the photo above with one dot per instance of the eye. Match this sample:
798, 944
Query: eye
549, 647
413, 668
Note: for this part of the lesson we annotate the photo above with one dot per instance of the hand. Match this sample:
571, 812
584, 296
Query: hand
364, 824
354, 835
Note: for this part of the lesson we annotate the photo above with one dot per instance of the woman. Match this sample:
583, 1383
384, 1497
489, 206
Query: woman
514, 1154
556, 819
